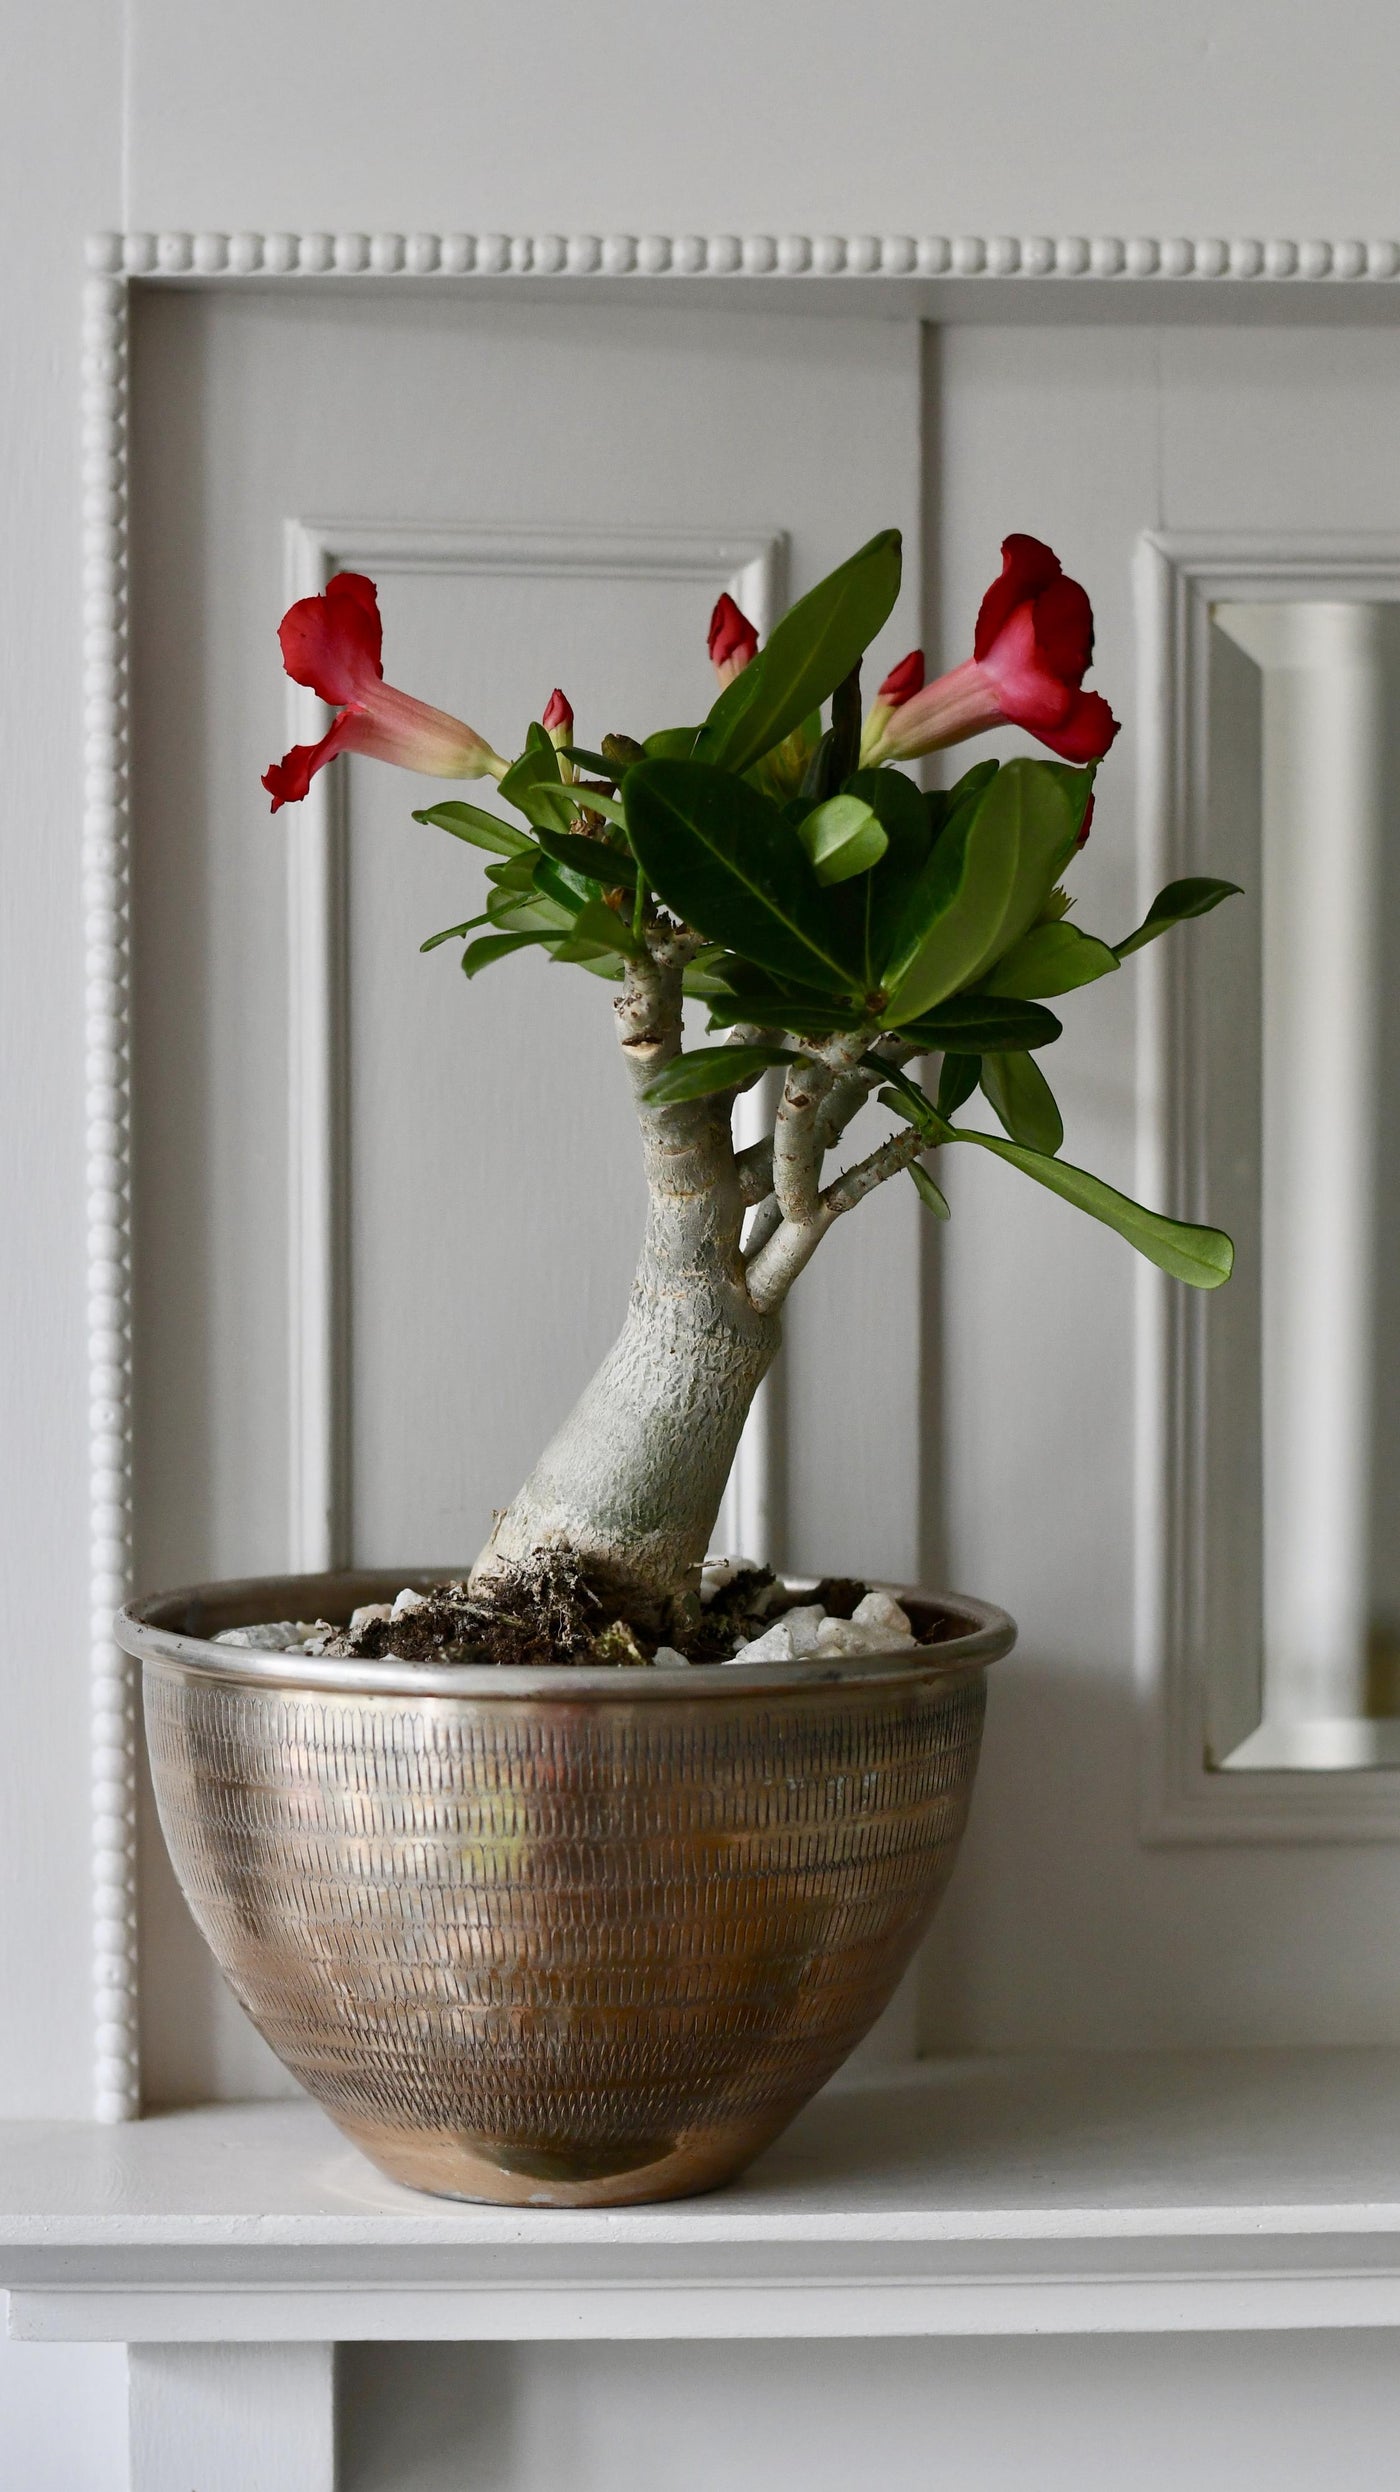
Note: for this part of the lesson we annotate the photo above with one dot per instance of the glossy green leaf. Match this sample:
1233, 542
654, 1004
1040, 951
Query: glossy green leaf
1192, 897
538, 766
488, 948
515, 873
958, 1077
1201, 1257
907, 1098
902, 814
450, 934
817, 1019
725, 860
1023, 1101
473, 823
597, 923
805, 657
595, 859
597, 765
1051, 960
558, 807
842, 838
984, 1024
671, 744
708, 1069
980, 890
933, 1195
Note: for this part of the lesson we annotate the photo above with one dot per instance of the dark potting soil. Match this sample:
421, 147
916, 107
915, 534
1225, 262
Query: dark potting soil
551, 1611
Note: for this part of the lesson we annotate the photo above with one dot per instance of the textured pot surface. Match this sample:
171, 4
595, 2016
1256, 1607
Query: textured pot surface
562, 1937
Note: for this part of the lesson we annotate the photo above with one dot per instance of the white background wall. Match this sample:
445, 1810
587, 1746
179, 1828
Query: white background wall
1196, 118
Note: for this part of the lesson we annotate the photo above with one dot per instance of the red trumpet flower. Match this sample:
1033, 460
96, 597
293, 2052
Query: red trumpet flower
332, 644
1030, 654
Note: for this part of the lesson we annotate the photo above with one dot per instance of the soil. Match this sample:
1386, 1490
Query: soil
550, 1611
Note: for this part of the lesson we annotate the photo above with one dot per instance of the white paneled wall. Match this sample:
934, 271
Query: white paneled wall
1158, 119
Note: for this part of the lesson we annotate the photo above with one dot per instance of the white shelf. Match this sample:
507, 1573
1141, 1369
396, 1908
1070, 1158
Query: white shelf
1075, 2194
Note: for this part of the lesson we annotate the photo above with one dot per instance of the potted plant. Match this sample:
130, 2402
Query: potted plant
570, 1880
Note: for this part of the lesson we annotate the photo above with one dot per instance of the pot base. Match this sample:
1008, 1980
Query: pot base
451, 2163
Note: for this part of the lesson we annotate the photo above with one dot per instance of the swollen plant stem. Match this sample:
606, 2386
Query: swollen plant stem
632, 1481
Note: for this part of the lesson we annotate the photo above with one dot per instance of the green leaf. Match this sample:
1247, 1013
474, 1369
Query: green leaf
903, 816
597, 765
1023, 1100
806, 656
537, 767
958, 1077
932, 1194
725, 860
449, 934
1201, 1257
558, 807
482, 829
1192, 898
516, 873
1051, 960
904, 1095
981, 888
671, 744
489, 948
984, 1024
707, 1069
595, 859
818, 1019
842, 838
597, 923
559, 882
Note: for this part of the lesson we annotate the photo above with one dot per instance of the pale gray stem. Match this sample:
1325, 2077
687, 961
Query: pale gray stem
887, 1161
796, 1151
633, 1479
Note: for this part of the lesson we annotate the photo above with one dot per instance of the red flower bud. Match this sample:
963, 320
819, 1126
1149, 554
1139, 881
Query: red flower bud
733, 640
902, 681
557, 713
332, 644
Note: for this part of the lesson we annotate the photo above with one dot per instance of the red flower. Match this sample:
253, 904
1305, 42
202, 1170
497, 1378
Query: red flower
1030, 654
558, 719
733, 640
332, 643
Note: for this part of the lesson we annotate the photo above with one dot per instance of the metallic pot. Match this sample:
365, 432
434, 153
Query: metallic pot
570, 1937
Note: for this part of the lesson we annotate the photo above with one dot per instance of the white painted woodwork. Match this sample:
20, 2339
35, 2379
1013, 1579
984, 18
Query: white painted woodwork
1090, 2193
224, 2418
1324, 707
1298, 2413
1226, 127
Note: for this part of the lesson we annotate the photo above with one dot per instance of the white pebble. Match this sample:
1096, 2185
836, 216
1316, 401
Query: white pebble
776, 1645
716, 1573
408, 1599
666, 1657
843, 1635
280, 1635
878, 1610
368, 1614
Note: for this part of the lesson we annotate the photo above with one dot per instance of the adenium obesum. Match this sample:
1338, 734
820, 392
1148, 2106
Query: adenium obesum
1030, 654
841, 927
332, 644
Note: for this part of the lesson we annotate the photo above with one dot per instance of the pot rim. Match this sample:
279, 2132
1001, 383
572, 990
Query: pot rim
157, 1631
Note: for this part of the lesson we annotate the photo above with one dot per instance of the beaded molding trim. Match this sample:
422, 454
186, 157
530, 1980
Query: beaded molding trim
107, 932
735, 255
112, 260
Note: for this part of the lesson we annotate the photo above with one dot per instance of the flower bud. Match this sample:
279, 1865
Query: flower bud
733, 640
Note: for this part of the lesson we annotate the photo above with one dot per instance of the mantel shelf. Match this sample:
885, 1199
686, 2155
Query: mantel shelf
1083, 2193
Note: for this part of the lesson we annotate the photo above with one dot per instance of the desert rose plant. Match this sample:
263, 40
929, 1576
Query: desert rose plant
776, 864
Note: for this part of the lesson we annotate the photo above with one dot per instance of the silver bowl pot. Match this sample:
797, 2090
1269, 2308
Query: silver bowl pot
559, 1937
